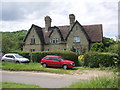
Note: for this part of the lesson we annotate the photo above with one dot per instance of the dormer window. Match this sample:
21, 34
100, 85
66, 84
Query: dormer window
76, 39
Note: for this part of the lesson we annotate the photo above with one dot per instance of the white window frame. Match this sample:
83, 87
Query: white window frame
76, 39
55, 40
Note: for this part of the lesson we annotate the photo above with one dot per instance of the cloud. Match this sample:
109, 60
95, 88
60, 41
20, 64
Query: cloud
20, 15
12, 11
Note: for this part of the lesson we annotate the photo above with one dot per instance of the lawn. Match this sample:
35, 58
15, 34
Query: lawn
17, 85
100, 82
31, 67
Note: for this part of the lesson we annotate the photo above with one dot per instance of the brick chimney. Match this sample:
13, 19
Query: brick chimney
48, 21
72, 20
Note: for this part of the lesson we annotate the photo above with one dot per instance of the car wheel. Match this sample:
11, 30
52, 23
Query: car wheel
65, 66
3, 61
17, 62
44, 65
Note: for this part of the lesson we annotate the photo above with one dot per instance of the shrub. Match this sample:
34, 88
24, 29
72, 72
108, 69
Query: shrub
97, 47
68, 55
113, 48
97, 59
81, 57
22, 53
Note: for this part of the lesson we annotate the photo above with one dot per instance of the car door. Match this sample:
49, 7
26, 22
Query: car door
56, 62
48, 61
12, 58
9, 58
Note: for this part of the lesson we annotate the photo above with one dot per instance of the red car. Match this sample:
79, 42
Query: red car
56, 61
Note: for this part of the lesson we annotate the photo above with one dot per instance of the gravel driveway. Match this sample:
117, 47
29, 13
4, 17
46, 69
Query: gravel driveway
50, 80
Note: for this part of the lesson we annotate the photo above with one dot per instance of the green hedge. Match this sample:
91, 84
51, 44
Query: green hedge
97, 59
68, 55
22, 53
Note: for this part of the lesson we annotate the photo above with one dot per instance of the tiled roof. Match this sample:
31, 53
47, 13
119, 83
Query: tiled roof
94, 32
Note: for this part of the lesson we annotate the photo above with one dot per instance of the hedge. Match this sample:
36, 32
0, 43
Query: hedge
68, 55
22, 53
97, 59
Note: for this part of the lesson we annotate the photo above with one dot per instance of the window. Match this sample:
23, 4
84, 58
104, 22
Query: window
76, 39
51, 41
77, 50
55, 59
32, 40
9, 56
32, 50
48, 58
55, 40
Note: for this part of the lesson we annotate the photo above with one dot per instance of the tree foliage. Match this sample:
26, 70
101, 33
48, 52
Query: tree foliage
12, 40
108, 45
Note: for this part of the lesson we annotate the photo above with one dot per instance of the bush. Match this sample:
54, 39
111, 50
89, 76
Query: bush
113, 48
22, 53
68, 55
97, 59
97, 47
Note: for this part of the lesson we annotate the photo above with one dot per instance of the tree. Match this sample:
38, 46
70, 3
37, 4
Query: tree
108, 41
12, 40
97, 47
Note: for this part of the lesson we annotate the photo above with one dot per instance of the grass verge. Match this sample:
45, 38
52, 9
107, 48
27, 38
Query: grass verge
31, 67
100, 82
17, 85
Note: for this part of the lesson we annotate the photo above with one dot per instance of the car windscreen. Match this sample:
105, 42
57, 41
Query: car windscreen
18, 56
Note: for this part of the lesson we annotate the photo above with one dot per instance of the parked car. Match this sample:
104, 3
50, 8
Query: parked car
56, 61
14, 58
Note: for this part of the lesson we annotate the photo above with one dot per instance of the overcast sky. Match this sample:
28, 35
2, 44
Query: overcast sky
21, 14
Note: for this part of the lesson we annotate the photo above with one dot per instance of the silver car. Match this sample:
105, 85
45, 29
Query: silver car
14, 58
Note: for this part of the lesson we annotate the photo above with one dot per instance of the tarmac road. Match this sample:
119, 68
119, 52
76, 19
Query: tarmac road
50, 80
46, 80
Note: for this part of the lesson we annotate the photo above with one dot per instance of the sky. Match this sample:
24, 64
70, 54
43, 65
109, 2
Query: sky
21, 14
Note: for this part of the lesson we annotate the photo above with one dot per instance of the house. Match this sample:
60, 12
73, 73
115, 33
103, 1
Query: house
74, 36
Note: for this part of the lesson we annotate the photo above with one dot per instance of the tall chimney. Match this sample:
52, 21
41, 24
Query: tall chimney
72, 19
48, 21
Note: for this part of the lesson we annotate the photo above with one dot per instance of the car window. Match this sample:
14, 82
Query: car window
48, 58
9, 56
18, 56
55, 59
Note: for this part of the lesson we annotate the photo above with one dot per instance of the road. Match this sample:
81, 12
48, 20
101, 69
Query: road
48, 80
45, 80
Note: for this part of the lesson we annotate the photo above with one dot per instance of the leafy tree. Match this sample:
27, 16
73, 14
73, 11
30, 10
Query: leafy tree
12, 40
108, 41
113, 48
97, 47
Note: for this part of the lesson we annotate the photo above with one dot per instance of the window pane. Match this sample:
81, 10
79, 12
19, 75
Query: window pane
76, 39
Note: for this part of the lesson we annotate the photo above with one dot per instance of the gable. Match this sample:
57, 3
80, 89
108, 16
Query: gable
56, 29
37, 31
81, 28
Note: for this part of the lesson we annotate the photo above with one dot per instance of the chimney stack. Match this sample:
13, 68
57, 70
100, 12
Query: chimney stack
48, 21
72, 20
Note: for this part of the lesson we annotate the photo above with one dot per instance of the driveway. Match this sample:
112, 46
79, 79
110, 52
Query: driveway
50, 80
